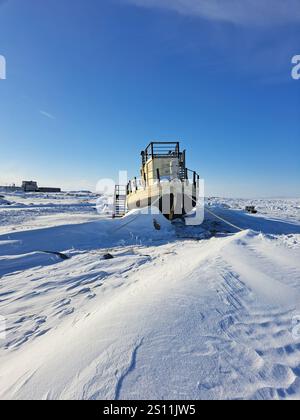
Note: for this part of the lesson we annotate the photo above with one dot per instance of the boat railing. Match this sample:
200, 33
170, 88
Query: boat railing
138, 184
161, 150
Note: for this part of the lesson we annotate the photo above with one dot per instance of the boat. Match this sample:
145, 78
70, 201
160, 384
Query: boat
165, 183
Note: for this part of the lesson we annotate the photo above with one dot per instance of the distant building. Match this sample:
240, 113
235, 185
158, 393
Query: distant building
32, 186
49, 190
29, 186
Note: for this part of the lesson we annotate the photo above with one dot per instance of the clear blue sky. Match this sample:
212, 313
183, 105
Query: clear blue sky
91, 82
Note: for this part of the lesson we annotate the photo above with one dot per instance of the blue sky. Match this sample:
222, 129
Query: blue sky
90, 83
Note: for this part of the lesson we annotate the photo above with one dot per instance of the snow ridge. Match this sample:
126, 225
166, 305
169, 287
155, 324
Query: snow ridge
127, 371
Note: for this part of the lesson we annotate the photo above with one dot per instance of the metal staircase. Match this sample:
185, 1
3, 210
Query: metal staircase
120, 201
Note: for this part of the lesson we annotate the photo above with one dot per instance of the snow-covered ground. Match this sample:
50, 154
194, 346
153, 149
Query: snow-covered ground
288, 209
36, 210
178, 313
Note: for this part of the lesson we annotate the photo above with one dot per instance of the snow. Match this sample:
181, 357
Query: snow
287, 209
178, 313
4, 202
35, 210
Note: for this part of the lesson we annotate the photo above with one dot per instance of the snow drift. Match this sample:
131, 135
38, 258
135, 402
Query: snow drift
166, 318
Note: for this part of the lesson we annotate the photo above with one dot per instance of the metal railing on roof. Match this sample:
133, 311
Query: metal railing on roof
161, 150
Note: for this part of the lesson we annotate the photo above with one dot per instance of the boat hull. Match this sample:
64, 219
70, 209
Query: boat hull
173, 201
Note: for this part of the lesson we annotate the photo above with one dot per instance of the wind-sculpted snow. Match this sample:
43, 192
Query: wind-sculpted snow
167, 318
136, 228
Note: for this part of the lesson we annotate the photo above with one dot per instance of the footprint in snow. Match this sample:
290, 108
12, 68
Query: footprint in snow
40, 320
65, 312
24, 319
82, 291
62, 303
